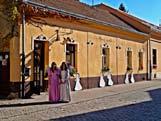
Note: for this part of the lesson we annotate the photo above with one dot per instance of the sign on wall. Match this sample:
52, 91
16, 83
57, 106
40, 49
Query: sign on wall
4, 62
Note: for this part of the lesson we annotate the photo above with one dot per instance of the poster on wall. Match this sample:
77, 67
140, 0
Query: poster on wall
6, 56
4, 62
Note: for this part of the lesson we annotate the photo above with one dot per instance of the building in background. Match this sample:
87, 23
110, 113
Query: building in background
153, 46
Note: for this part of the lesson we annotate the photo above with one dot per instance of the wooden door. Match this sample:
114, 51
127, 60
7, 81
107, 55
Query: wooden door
4, 72
4, 67
39, 62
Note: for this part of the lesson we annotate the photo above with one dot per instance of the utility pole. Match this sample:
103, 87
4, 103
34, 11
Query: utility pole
23, 53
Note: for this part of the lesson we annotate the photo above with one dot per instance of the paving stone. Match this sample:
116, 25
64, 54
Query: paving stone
134, 102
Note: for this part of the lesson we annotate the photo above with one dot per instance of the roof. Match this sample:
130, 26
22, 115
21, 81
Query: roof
76, 7
110, 9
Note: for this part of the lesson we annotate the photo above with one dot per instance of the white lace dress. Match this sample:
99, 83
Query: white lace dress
64, 87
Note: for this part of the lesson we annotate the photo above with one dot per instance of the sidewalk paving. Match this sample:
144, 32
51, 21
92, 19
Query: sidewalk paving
84, 95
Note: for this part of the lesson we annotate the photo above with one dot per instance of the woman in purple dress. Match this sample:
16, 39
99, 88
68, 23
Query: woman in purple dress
54, 80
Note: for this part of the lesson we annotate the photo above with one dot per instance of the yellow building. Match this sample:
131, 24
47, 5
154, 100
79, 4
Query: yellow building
154, 39
92, 39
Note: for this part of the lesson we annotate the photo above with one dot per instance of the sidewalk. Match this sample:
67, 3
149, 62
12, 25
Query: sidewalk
84, 95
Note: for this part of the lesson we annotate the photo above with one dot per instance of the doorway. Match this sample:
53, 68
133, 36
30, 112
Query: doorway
39, 63
4, 72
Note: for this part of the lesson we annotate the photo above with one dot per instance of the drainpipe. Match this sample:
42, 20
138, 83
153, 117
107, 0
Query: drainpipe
87, 62
117, 60
149, 67
150, 64
23, 54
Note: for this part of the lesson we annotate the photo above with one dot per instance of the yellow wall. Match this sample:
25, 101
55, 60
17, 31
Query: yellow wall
157, 71
91, 65
9, 42
81, 33
15, 69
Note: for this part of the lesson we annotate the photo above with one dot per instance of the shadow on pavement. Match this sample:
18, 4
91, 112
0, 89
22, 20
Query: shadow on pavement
25, 104
145, 111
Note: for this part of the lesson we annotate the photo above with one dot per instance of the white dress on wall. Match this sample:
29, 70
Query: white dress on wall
78, 86
132, 78
102, 82
110, 82
127, 78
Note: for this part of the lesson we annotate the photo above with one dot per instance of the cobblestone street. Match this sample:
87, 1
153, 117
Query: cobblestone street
132, 102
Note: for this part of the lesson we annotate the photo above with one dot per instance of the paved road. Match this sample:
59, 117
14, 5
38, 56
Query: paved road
135, 102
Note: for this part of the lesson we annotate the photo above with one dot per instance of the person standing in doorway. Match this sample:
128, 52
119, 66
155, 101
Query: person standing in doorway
53, 84
64, 84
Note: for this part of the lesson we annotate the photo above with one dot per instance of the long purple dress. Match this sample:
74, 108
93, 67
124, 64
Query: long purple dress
54, 91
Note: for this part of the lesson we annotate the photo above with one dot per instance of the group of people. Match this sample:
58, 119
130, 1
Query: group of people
59, 84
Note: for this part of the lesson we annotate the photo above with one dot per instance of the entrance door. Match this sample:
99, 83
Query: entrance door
4, 72
39, 53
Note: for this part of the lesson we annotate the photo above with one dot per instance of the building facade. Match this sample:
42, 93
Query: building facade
154, 33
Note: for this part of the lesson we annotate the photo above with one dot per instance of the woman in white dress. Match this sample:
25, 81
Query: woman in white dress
64, 84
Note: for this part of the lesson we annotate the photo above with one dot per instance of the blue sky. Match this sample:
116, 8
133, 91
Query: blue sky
149, 10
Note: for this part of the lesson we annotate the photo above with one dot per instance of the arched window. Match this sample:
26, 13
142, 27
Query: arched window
105, 57
154, 52
140, 60
129, 60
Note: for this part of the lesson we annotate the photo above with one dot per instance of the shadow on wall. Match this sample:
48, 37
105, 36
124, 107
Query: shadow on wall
145, 111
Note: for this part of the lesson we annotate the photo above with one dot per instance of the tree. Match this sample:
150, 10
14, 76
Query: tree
122, 8
8, 22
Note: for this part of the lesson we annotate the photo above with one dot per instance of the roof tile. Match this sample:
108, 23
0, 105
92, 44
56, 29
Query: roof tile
77, 7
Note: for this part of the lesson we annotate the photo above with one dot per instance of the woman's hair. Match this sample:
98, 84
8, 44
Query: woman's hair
52, 65
63, 66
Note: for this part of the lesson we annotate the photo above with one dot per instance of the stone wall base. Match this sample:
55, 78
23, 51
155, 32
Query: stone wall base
13, 90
